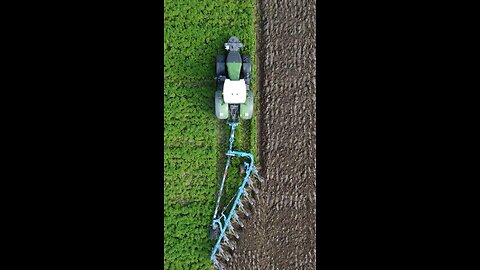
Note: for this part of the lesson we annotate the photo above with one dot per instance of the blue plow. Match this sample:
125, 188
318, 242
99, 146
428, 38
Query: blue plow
223, 227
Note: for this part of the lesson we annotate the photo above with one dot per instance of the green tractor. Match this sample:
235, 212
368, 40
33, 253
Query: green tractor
233, 96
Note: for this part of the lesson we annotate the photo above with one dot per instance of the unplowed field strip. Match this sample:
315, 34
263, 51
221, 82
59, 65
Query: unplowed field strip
194, 139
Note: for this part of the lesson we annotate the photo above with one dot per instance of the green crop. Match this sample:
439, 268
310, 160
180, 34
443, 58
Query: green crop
195, 142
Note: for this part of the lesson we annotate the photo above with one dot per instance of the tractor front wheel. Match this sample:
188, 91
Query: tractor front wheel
246, 66
220, 65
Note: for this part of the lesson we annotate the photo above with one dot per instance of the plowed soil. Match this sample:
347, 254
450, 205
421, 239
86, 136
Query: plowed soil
281, 233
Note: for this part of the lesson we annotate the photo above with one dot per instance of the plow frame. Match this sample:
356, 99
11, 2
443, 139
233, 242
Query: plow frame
224, 227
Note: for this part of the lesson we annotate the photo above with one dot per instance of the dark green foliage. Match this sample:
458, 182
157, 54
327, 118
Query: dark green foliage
194, 140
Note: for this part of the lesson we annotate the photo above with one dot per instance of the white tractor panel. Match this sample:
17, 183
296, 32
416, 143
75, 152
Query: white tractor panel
234, 92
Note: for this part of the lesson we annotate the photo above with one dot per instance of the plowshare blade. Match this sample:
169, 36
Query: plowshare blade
247, 197
252, 187
242, 209
231, 230
218, 265
256, 175
237, 219
223, 253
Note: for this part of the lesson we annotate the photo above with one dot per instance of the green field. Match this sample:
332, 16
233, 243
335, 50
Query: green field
194, 140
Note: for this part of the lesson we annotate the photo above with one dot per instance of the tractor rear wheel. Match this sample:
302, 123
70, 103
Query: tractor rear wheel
221, 108
220, 66
246, 109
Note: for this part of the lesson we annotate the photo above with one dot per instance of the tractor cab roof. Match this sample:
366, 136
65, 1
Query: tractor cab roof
234, 92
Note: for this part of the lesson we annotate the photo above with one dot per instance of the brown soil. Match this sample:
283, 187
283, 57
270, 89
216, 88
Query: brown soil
281, 233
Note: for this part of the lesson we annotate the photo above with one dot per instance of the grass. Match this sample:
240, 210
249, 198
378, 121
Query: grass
194, 140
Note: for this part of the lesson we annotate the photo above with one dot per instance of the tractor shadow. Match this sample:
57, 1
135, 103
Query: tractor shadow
197, 71
205, 87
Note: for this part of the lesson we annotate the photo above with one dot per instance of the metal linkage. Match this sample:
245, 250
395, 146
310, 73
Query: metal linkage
232, 138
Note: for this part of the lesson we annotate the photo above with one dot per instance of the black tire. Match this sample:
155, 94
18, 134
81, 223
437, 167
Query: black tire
242, 169
220, 85
221, 108
246, 109
220, 66
247, 82
246, 66
213, 232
